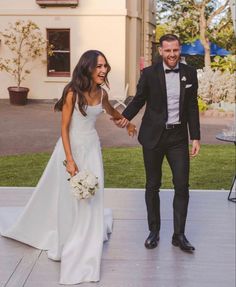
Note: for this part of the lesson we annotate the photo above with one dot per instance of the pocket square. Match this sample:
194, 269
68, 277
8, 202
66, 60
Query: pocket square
188, 86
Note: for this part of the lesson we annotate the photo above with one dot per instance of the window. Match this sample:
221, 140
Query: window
58, 64
45, 3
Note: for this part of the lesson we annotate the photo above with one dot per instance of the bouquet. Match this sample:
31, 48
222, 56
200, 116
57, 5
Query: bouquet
84, 184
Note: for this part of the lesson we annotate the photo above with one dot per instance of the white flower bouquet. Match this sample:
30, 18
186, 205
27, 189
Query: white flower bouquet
84, 184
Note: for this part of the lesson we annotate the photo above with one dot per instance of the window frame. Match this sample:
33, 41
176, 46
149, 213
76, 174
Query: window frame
59, 74
58, 3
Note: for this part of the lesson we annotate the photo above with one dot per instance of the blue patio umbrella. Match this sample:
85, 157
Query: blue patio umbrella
196, 48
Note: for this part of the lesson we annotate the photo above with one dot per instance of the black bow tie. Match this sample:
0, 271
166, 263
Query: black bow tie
171, 71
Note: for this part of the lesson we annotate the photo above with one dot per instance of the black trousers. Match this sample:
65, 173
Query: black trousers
174, 145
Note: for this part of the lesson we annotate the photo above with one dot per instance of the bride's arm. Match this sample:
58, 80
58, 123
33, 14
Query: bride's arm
67, 111
131, 128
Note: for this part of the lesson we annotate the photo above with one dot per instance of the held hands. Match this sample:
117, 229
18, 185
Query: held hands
121, 123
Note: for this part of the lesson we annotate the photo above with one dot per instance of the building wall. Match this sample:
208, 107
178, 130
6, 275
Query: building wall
117, 28
141, 23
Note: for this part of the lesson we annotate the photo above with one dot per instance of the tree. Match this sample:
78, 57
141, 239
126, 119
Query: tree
194, 18
160, 31
26, 44
224, 34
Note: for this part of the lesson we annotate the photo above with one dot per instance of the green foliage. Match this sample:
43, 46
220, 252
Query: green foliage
183, 17
26, 43
160, 31
196, 61
224, 63
124, 168
202, 105
223, 33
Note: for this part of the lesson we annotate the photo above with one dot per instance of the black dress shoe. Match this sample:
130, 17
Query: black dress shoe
182, 242
152, 240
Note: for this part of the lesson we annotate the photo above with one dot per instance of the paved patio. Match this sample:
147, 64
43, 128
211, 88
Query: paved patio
36, 128
125, 261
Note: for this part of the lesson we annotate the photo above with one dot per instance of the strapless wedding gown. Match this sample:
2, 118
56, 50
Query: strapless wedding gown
70, 230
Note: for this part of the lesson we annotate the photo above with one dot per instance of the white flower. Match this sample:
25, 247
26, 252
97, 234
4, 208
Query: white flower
92, 180
84, 184
183, 79
80, 176
215, 86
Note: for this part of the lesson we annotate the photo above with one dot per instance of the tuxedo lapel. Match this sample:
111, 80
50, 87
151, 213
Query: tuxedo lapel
183, 79
162, 81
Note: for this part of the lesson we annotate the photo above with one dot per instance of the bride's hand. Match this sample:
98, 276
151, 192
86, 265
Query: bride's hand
71, 168
131, 128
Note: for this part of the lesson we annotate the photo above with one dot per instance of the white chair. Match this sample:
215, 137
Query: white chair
121, 101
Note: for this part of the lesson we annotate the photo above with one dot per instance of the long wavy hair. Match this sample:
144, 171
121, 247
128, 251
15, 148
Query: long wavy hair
82, 80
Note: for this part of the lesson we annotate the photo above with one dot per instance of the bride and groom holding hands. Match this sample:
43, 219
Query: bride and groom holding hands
72, 231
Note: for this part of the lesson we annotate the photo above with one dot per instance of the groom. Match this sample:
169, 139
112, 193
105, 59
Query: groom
169, 90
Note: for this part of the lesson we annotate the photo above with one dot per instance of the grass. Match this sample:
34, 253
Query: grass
212, 169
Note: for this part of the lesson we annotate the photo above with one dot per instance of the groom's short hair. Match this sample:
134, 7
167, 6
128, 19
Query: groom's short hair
169, 38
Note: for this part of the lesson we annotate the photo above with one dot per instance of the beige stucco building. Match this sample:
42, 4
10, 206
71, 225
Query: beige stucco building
122, 29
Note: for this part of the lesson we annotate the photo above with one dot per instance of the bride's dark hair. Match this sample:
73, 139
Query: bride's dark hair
82, 80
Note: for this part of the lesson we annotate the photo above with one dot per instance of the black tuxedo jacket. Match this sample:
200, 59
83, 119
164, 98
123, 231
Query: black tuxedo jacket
151, 90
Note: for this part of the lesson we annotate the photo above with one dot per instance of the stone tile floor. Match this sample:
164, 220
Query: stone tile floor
125, 261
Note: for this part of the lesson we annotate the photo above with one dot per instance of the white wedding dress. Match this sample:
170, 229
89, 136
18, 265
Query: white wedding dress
71, 230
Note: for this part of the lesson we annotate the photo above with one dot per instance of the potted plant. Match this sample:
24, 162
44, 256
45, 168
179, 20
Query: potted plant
26, 44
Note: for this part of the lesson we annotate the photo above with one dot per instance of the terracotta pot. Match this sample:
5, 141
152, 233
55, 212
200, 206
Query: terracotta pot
18, 95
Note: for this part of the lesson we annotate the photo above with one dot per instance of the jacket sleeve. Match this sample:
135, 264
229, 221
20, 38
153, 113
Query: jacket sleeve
193, 111
139, 99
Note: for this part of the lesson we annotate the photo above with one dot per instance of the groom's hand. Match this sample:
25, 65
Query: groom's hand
195, 148
121, 123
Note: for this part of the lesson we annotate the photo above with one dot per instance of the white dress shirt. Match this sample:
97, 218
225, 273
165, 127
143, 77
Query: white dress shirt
173, 95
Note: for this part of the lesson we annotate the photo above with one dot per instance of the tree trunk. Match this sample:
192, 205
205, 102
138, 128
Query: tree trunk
204, 40
207, 57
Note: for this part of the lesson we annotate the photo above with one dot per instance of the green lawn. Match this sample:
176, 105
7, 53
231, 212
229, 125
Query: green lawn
212, 169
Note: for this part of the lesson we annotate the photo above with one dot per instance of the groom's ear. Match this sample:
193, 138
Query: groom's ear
160, 50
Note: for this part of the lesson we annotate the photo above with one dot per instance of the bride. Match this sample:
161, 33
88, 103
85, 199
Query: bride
72, 231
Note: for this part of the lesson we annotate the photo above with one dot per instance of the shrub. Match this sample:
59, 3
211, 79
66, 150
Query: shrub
216, 86
202, 105
224, 63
